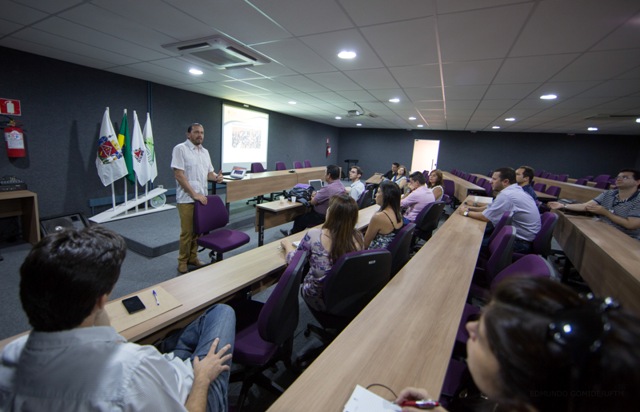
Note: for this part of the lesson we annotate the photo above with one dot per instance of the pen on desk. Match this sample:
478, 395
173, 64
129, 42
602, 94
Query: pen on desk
421, 404
155, 295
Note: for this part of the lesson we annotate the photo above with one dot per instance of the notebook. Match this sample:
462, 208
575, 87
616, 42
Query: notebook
316, 184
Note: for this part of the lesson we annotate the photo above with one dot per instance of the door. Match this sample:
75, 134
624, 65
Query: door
425, 155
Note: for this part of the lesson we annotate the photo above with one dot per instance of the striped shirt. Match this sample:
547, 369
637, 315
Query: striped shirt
623, 208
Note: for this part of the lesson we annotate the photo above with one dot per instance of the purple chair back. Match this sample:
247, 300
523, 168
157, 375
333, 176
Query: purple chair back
539, 187
278, 318
257, 167
601, 178
472, 178
281, 166
563, 178
582, 181
297, 165
449, 187
366, 199
504, 221
480, 181
211, 216
428, 219
602, 185
542, 241
500, 251
487, 188
545, 175
400, 247
529, 265
553, 191
307, 163
539, 173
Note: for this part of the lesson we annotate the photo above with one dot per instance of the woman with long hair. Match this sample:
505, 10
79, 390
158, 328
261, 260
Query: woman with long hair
326, 245
540, 346
401, 178
388, 220
435, 183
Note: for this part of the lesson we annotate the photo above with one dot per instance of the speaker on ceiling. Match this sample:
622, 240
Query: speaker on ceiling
58, 223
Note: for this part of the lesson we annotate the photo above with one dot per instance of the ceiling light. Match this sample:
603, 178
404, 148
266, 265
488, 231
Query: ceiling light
592, 129
347, 54
338, 117
394, 100
510, 119
412, 118
292, 102
495, 127
638, 120
420, 125
196, 72
548, 97
358, 124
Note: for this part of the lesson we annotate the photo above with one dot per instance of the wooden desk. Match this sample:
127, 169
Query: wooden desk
311, 173
605, 257
199, 289
22, 203
590, 184
462, 186
376, 179
543, 197
405, 336
276, 213
571, 191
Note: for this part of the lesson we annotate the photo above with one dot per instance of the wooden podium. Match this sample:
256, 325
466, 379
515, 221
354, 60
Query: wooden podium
25, 204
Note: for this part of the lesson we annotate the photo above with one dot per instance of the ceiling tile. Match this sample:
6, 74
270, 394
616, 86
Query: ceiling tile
302, 17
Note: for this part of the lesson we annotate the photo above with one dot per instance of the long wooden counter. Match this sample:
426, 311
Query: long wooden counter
405, 336
462, 186
606, 258
571, 191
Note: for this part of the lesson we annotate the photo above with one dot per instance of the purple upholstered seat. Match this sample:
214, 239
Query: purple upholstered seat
553, 191
500, 254
428, 219
298, 165
307, 163
539, 187
281, 166
264, 332
541, 244
208, 223
400, 247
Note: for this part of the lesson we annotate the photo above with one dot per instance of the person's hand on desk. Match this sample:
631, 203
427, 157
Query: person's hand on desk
555, 205
596, 209
287, 246
463, 208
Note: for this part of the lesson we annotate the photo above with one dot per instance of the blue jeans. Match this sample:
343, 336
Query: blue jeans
218, 321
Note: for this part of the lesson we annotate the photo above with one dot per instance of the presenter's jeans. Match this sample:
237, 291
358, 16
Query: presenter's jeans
188, 250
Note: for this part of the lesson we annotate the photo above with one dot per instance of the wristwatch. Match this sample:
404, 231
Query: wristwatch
466, 213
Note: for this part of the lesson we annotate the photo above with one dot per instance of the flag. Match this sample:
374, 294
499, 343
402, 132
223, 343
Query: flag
147, 135
139, 153
109, 161
125, 143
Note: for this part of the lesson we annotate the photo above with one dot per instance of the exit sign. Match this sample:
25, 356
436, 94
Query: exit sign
10, 107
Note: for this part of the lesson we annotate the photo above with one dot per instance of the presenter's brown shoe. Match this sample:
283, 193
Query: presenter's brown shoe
196, 262
182, 267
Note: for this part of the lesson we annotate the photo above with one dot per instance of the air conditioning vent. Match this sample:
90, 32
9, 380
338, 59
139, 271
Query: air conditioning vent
219, 51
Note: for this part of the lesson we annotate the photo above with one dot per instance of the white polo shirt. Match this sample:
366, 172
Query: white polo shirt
196, 164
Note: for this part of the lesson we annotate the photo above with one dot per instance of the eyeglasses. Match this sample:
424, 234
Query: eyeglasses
624, 177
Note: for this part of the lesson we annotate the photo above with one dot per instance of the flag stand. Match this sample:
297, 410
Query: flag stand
123, 210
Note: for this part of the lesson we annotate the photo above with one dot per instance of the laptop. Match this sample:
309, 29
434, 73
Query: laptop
316, 184
237, 174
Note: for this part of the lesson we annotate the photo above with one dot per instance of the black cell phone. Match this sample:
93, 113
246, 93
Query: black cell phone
133, 304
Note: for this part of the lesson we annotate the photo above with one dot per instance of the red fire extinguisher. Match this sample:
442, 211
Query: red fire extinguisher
328, 148
14, 140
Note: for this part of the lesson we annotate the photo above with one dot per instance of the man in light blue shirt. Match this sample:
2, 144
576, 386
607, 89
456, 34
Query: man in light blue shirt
357, 187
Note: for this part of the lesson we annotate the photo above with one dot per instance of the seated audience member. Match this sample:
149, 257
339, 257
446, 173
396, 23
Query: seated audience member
619, 207
387, 221
319, 201
337, 236
394, 170
541, 347
524, 178
357, 187
511, 198
401, 178
435, 184
419, 196
73, 360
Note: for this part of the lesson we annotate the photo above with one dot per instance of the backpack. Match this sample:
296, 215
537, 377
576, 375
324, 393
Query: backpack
302, 193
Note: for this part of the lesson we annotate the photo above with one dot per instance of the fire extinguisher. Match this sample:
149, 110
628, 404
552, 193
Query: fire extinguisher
14, 139
328, 148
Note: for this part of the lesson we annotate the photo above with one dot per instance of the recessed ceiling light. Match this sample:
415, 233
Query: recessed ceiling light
358, 124
196, 72
347, 54
510, 119
548, 97
292, 102
420, 125
638, 120
592, 129
338, 117
394, 100
495, 127
412, 118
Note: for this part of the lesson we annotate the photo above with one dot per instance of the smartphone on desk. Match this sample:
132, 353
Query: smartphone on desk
133, 304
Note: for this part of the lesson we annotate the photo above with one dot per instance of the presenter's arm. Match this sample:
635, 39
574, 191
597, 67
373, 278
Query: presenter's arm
182, 180
206, 371
215, 177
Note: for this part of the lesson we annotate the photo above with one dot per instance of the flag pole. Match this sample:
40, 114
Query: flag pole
135, 183
146, 193
113, 196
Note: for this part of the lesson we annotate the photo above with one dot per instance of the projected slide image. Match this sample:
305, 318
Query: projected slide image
245, 138
245, 135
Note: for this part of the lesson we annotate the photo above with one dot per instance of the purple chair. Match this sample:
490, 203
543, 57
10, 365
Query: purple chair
563, 178
472, 179
529, 265
539, 173
500, 255
208, 223
281, 166
427, 221
257, 168
589, 178
541, 244
553, 191
539, 187
298, 165
366, 199
602, 185
505, 220
265, 331
545, 175
307, 163
480, 181
488, 189
400, 248
602, 178
582, 181
450, 190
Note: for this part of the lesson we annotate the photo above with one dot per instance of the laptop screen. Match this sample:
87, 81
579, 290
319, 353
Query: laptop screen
238, 173
316, 184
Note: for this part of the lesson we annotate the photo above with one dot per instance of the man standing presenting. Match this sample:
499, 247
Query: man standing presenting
619, 207
192, 169
357, 187
73, 360
417, 199
524, 177
319, 201
511, 198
